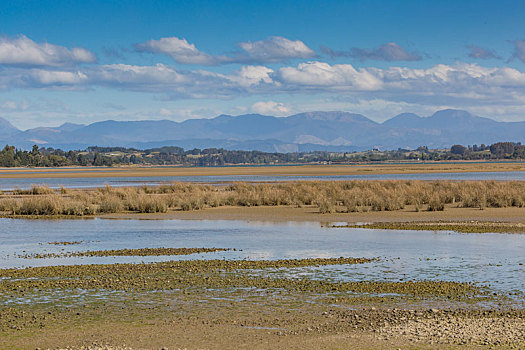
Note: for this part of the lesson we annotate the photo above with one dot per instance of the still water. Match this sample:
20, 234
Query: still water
7, 184
495, 259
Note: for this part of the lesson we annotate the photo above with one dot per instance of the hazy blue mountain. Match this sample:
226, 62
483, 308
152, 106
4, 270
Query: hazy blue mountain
449, 126
333, 131
6, 128
404, 120
70, 127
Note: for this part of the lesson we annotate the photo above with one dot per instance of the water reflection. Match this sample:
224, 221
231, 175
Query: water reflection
496, 259
90, 182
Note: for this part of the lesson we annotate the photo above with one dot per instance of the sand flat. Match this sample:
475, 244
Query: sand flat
286, 170
290, 213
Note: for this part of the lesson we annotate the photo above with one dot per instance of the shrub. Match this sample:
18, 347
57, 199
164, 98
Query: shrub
111, 205
436, 204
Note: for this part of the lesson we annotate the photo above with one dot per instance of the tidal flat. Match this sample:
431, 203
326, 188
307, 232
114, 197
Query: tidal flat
276, 285
320, 264
190, 304
457, 226
277, 170
124, 252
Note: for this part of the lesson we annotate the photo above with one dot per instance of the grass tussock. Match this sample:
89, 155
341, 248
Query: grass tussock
328, 197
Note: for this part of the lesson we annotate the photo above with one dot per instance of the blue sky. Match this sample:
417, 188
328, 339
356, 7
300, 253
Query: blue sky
84, 61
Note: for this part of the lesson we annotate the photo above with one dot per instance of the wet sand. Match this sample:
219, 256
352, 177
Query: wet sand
285, 170
178, 309
289, 213
201, 307
311, 331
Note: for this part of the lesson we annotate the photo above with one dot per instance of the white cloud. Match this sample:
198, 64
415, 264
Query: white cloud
319, 74
179, 49
271, 108
24, 51
125, 74
52, 77
460, 85
272, 49
252, 75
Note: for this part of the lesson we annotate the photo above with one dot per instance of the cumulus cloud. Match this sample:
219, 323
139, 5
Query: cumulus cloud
180, 83
22, 51
457, 84
385, 52
51, 77
481, 53
252, 75
319, 74
272, 49
519, 50
179, 49
270, 108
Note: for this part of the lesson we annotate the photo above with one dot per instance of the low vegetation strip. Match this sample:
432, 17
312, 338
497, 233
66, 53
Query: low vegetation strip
127, 252
179, 275
461, 227
184, 265
108, 156
328, 197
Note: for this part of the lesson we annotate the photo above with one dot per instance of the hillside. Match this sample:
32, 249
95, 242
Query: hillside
331, 131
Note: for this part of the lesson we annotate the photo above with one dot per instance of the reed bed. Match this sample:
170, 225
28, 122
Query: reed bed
328, 197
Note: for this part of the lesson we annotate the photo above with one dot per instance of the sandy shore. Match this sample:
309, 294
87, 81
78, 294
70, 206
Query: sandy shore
294, 170
288, 213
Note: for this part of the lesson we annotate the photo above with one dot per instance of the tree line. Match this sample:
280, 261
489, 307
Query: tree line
109, 156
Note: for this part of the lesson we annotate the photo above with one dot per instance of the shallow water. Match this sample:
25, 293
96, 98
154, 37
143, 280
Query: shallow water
7, 184
403, 255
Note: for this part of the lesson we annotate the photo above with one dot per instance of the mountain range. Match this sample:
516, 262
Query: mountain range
331, 131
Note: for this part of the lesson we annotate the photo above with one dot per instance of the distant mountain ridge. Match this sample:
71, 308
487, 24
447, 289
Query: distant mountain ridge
330, 131
7, 129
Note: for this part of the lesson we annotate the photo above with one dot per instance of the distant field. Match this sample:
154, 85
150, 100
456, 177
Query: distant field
285, 170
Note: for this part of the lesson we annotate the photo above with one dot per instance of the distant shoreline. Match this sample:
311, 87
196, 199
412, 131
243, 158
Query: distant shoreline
266, 170
511, 218
462, 206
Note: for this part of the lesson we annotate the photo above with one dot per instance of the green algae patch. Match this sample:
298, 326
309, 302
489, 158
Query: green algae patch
127, 252
461, 227
216, 274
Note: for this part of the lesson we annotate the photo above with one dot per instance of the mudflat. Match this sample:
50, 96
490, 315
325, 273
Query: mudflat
262, 304
290, 170
511, 215
214, 304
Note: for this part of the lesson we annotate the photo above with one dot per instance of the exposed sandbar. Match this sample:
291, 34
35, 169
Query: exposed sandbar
286, 170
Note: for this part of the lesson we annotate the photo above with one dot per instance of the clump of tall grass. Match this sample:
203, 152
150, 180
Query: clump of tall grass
9, 205
34, 190
328, 197
436, 203
148, 204
111, 205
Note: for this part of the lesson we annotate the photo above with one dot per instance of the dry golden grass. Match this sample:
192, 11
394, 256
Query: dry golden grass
329, 197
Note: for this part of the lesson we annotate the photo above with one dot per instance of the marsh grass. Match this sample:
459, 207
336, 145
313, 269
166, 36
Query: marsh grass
328, 197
